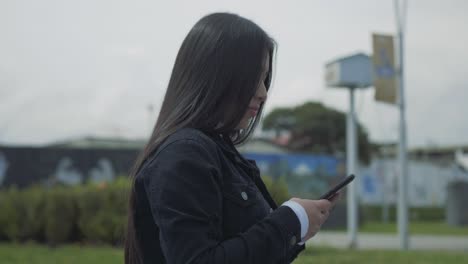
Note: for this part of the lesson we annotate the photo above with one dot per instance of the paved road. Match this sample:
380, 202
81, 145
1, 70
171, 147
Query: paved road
386, 241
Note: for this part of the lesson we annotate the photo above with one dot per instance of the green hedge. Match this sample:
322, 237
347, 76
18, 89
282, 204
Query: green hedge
92, 213
103, 212
21, 216
278, 189
428, 214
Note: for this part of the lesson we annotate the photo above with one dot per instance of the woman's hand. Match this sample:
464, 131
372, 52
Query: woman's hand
317, 212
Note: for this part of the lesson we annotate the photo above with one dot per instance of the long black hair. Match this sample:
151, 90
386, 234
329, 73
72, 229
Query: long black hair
216, 73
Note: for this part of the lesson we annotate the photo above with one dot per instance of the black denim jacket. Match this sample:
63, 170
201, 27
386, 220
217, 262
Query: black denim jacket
200, 201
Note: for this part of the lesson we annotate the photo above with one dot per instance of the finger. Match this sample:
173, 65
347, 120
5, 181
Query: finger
325, 214
317, 227
294, 199
323, 205
323, 218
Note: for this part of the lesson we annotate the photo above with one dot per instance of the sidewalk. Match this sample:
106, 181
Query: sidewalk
390, 241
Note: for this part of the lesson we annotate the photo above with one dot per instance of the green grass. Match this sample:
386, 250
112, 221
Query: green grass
416, 228
36, 254
338, 256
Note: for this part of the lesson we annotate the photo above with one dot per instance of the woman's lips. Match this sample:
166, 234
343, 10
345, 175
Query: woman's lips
253, 111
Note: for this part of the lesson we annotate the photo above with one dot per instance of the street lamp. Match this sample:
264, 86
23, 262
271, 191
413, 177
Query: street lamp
351, 72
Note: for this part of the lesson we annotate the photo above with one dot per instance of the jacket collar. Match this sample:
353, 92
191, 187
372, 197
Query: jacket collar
227, 146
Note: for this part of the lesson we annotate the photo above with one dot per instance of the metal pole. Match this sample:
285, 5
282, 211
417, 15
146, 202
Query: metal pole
403, 179
351, 169
383, 179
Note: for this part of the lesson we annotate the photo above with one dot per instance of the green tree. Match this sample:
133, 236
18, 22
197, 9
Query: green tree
316, 128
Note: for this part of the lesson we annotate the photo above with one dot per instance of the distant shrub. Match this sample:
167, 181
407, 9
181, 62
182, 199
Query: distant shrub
93, 213
278, 189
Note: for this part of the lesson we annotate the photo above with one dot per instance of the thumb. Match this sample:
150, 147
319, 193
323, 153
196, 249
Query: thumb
323, 204
335, 198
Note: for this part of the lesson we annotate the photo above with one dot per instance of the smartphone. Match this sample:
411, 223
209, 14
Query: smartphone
328, 195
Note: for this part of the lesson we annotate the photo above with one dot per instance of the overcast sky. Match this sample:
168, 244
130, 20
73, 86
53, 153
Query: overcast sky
70, 69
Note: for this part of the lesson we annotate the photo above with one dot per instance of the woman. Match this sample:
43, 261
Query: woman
195, 199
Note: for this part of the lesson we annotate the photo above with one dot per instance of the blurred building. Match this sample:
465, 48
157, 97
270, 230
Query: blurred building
96, 142
431, 170
262, 145
68, 162
76, 161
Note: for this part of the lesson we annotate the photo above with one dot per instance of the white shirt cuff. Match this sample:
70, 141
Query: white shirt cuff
301, 215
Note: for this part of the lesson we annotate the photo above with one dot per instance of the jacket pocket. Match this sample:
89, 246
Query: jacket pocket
241, 194
243, 207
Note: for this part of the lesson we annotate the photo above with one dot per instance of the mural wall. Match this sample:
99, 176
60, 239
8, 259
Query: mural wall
23, 166
307, 176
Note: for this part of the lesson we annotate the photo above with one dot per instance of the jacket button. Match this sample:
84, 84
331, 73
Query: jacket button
244, 196
293, 241
271, 210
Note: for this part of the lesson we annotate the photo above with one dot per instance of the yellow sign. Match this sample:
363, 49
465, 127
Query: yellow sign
385, 74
